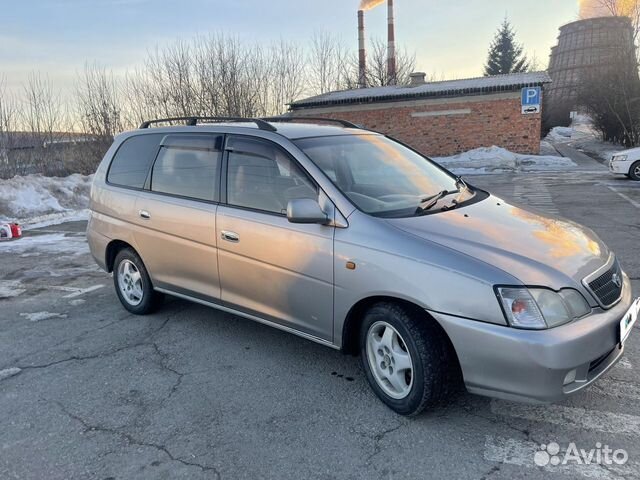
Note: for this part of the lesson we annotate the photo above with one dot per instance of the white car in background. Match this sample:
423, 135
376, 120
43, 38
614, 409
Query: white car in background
626, 162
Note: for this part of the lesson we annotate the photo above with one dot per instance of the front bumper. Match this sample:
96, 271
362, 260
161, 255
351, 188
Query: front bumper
531, 366
619, 168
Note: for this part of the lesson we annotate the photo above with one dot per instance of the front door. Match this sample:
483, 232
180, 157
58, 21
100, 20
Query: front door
271, 268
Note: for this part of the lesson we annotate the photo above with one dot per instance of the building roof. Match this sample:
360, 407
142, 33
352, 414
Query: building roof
449, 88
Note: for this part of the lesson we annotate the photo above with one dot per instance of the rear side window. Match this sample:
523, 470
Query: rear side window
132, 161
188, 166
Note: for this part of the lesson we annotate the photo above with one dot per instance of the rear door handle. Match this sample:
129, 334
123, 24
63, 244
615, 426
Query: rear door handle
230, 236
144, 214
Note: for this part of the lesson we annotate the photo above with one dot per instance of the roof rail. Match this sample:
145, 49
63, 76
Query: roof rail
194, 120
344, 123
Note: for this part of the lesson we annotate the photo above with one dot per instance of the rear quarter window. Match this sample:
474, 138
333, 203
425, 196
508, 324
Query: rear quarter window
132, 161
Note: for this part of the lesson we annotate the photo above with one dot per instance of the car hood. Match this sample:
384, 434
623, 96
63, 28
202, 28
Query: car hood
536, 248
632, 152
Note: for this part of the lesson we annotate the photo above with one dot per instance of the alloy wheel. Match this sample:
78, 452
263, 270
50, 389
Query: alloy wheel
130, 282
389, 360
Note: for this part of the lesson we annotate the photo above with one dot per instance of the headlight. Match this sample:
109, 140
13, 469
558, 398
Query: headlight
539, 308
578, 306
619, 158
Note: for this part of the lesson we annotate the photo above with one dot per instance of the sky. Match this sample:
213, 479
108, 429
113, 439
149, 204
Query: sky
450, 38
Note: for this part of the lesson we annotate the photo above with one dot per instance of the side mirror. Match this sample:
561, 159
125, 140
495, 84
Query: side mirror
305, 210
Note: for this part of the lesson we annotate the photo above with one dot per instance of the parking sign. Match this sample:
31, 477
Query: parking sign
531, 97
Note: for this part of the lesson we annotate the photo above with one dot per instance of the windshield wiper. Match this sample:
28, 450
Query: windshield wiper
461, 184
429, 202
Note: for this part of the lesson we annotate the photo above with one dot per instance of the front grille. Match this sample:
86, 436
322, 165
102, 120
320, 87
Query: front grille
605, 288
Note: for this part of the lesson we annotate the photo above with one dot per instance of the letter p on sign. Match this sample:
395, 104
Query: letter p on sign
531, 100
530, 96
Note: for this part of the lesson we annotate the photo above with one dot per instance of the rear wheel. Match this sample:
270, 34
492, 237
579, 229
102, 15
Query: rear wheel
133, 285
407, 358
634, 171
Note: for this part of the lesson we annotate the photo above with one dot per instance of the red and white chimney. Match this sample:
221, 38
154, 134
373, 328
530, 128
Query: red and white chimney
391, 49
362, 52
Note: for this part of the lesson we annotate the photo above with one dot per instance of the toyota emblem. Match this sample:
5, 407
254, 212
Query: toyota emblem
617, 281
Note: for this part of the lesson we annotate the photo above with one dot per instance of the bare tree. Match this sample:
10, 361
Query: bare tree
287, 74
612, 97
616, 8
7, 131
329, 65
98, 103
42, 109
377, 74
228, 76
136, 95
42, 116
100, 117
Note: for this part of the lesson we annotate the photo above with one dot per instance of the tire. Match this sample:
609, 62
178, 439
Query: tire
634, 171
133, 285
433, 372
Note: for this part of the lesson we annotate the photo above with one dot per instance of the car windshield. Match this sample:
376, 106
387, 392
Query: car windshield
384, 178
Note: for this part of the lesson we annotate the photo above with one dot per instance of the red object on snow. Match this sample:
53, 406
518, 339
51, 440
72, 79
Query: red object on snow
16, 230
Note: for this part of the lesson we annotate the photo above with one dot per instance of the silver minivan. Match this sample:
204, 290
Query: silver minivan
355, 241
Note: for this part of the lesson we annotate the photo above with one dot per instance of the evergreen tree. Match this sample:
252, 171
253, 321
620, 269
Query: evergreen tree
505, 55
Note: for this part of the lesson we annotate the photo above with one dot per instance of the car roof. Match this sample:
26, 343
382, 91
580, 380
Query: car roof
295, 131
290, 130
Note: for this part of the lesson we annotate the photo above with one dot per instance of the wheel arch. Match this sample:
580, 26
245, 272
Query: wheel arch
351, 327
113, 248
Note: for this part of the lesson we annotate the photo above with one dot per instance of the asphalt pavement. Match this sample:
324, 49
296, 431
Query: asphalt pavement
90, 391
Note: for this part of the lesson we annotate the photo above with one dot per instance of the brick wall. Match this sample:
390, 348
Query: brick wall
439, 127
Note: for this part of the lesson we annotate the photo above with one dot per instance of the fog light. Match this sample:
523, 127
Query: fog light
570, 377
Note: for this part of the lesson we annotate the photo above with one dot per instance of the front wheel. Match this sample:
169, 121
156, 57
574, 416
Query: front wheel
634, 171
407, 358
133, 285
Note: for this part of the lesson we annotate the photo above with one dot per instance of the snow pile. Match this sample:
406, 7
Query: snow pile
11, 288
499, 160
44, 200
582, 136
39, 316
560, 134
9, 372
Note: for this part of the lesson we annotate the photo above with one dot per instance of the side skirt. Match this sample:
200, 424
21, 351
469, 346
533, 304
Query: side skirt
284, 328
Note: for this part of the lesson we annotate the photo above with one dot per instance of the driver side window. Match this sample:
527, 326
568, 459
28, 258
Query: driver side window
261, 176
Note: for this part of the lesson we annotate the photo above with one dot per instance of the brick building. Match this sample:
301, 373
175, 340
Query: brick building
440, 118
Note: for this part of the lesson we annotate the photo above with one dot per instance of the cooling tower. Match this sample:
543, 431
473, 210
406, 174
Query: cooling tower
587, 47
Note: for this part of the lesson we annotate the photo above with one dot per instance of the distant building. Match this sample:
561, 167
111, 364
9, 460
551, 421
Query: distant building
440, 118
588, 46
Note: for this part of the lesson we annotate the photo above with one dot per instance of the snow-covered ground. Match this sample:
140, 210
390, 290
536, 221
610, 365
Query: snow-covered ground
499, 160
54, 243
35, 200
582, 136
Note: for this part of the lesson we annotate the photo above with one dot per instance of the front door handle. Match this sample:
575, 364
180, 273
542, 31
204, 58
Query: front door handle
144, 214
230, 236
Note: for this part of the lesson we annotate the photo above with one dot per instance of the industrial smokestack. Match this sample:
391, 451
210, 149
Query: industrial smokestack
362, 53
391, 49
